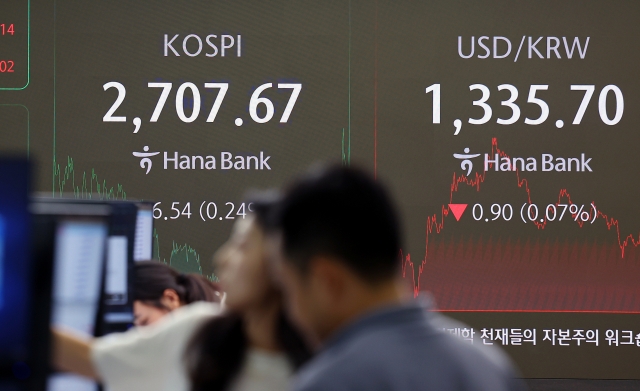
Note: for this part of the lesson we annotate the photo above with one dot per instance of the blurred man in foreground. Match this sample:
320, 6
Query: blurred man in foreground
339, 265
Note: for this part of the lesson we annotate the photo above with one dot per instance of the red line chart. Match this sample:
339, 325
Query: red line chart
435, 224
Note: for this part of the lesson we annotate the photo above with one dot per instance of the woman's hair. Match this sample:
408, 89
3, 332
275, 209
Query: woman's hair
152, 278
216, 352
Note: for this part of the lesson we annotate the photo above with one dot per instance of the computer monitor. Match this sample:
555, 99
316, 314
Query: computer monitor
80, 248
78, 266
17, 277
124, 226
81, 239
95, 241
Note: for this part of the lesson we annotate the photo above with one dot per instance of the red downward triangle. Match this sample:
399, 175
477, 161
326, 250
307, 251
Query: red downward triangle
458, 210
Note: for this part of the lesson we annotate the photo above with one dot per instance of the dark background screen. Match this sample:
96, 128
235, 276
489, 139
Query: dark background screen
538, 255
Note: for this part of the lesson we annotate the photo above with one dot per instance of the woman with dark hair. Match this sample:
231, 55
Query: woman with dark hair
170, 306
159, 289
252, 346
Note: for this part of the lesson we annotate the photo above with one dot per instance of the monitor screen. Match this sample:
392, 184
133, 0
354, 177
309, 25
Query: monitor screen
143, 245
2, 261
16, 283
124, 237
78, 264
116, 280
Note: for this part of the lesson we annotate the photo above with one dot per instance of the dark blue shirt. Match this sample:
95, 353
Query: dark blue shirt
402, 348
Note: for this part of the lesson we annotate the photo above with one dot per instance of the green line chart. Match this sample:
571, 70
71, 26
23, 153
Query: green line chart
183, 257
86, 187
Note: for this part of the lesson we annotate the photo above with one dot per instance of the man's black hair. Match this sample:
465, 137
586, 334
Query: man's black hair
343, 213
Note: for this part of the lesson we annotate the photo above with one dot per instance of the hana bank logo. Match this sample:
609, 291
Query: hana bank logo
145, 162
466, 163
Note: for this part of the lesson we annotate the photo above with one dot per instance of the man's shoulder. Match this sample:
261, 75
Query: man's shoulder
326, 371
419, 353
364, 361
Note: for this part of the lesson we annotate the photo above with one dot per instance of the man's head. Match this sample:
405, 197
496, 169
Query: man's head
340, 240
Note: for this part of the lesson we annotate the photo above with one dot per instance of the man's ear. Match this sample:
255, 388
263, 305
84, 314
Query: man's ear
331, 277
170, 299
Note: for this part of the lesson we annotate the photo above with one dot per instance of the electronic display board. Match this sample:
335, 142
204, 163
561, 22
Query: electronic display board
506, 130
